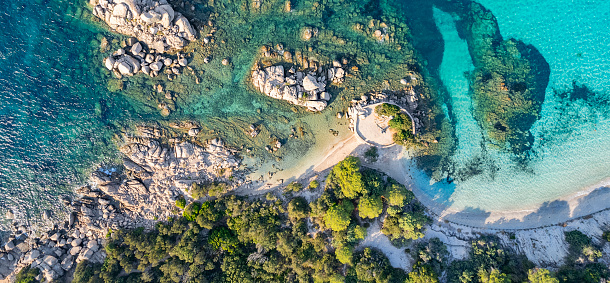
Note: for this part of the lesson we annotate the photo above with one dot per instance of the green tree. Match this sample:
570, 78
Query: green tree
495, 276
223, 238
370, 207
398, 195
314, 184
294, 187
412, 225
422, 274
348, 174
541, 275
27, 275
338, 217
344, 254
191, 211
298, 208
359, 232
181, 203
387, 109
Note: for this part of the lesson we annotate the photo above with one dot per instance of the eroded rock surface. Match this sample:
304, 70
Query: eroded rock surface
307, 89
151, 21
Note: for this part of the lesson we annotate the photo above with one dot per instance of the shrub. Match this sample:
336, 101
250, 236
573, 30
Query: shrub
191, 211
298, 208
181, 203
27, 275
294, 187
541, 275
387, 109
314, 184
371, 154
398, 195
223, 238
422, 274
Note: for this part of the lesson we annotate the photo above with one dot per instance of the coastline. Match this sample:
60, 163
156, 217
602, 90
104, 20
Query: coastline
582, 203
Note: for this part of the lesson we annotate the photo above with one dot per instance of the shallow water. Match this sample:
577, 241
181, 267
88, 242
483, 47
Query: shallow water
572, 136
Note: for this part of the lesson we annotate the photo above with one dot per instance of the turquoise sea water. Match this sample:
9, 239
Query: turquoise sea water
55, 121
57, 118
572, 137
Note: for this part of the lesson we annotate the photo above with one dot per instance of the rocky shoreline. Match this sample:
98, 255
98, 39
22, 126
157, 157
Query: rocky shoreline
155, 175
153, 22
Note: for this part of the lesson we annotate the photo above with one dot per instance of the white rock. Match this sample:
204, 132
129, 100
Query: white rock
310, 83
136, 48
183, 62
75, 250
109, 62
184, 26
325, 96
156, 66
193, 132
50, 260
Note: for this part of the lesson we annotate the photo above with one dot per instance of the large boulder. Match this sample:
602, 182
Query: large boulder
310, 83
50, 260
185, 27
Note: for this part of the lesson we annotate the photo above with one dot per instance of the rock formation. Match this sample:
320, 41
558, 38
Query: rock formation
307, 89
151, 21
155, 176
128, 63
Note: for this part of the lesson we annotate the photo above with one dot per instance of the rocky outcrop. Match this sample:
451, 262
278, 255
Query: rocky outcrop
151, 21
307, 89
157, 174
132, 59
55, 252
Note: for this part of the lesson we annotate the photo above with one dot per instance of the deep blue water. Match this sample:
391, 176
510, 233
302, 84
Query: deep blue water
56, 117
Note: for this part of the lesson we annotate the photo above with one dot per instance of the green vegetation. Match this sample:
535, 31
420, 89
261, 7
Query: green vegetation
581, 262
198, 191
27, 275
349, 178
294, 187
387, 109
240, 239
338, 217
298, 208
314, 184
237, 239
541, 275
370, 207
490, 262
181, 203
371, 154
401, 124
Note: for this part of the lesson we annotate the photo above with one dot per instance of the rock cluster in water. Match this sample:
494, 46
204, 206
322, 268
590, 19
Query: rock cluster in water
307, 89
151, 21
134, 58
57, 251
